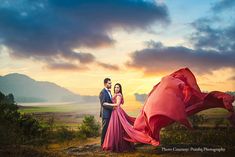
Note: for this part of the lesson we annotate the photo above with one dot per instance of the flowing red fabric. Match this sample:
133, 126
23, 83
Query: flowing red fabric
173, 99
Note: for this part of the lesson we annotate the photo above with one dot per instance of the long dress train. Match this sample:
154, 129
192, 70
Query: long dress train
174, 98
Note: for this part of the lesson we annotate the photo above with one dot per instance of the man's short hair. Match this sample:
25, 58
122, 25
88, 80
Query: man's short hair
106, 80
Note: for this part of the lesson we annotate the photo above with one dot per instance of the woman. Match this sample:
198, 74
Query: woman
113, 139
120, 125
173, 99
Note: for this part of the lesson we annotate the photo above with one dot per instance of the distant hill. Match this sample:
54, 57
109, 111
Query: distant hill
140, 97
26, 89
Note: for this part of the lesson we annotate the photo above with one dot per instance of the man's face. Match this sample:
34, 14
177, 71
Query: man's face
108, 85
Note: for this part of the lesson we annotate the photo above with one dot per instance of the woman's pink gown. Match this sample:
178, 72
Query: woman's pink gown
114, 136
174, 98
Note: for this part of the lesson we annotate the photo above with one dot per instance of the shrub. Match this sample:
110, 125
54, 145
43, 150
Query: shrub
63, 133
197, 120
14, 127
88, 128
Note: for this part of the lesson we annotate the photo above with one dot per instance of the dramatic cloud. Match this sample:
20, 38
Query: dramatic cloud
213, 47
223, 5
108, 66
67, 66
64, 66
208, 37
232, 78
82, 57
51, 28
158, 59
216, 32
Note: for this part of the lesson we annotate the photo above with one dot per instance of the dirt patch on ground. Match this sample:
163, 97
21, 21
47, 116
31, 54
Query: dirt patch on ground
91, 147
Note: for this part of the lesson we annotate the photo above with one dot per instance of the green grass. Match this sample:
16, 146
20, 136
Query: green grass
214, 112
60, 108
72, 114
41, 109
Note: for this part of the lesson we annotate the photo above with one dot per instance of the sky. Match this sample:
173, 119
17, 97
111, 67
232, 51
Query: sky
78, 43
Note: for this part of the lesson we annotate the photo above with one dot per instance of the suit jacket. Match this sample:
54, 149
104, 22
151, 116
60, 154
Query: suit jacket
105, 111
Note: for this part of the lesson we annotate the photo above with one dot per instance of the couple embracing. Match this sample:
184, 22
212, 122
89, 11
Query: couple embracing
112, 129
117, 132
176, 97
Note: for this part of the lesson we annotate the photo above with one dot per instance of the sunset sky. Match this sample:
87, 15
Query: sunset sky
77, 43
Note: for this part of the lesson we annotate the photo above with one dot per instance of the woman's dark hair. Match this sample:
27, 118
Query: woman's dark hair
120, 86
106, 80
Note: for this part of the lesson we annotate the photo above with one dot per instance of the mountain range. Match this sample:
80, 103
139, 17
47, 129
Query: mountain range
26, 89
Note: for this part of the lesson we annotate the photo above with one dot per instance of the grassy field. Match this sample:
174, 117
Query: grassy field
71, 114
73, 107
68, 114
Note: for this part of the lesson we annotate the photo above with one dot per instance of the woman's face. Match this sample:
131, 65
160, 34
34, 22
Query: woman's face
117, 89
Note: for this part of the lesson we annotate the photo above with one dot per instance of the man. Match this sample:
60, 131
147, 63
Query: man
105, 110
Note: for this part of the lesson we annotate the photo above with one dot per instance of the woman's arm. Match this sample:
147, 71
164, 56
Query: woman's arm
118, 101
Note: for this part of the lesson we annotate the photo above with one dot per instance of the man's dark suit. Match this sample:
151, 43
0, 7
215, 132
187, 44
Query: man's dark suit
105, 112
